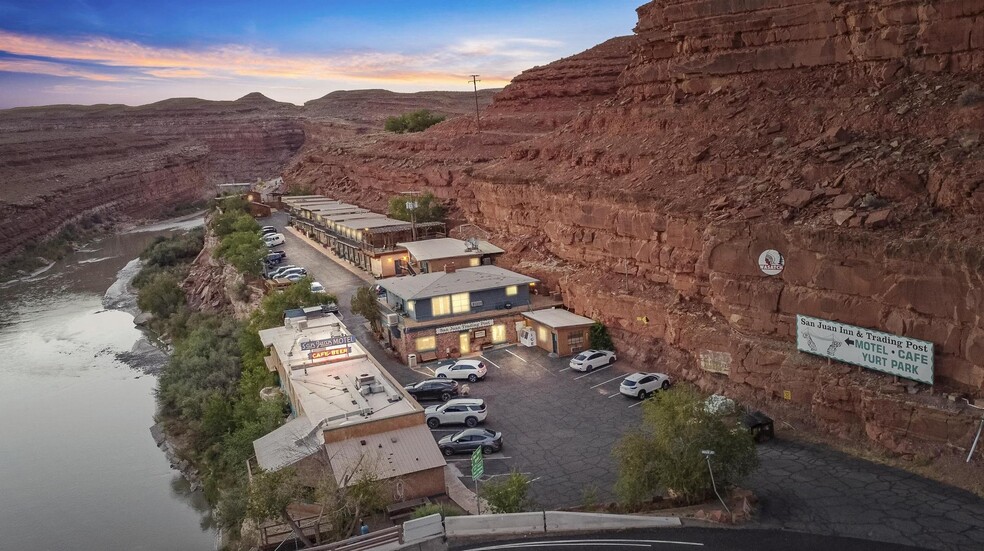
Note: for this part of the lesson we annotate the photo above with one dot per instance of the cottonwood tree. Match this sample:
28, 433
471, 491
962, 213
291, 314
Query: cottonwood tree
270, 494
427, 209
665, 452
366, 304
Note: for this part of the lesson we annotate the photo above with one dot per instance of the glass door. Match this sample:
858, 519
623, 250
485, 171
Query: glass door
464, 342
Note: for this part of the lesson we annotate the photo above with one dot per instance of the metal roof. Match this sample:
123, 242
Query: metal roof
405, 226
462, 280
387, 454
446, 247
288, 444
367, 223
558, 317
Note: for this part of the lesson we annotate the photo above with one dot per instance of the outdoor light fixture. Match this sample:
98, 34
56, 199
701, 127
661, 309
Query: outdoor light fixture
707, 455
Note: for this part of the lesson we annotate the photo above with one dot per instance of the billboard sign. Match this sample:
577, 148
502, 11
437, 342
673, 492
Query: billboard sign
901, 356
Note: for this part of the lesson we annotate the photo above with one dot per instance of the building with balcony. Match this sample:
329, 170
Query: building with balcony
456, 312
350, 417
435, 255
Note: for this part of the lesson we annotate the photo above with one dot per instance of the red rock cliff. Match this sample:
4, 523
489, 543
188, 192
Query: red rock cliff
844, 134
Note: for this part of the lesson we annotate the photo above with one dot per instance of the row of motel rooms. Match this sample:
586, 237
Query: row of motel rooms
440, 297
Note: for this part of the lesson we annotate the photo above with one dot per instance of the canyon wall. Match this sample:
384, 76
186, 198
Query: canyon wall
644, 177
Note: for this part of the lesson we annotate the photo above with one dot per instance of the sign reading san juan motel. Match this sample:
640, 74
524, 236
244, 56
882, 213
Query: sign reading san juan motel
902, 356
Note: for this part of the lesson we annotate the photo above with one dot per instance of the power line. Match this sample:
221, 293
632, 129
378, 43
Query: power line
478, 123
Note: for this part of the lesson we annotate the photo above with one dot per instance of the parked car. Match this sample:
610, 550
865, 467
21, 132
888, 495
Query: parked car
275, 272
281, 254
273, 239
591, 359
267, 230
318, 288
433, 389
294, 277
284, 271
643, 385
472, 370
469, 440
468, 411
273, 259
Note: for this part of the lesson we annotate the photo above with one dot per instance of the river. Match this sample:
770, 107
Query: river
78, 466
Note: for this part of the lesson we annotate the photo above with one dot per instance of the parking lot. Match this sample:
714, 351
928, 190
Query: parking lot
558, 425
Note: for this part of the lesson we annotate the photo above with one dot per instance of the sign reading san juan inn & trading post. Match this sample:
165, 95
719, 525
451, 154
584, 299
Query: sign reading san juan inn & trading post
902, 356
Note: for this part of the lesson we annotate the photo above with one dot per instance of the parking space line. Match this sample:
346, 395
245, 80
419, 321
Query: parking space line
563, 370
517, 355
639, 403
608, 381
616, 394
592, 372
491, 362
487, 457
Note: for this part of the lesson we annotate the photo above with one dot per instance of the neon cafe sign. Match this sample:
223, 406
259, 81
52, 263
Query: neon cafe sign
330, 353
328, 348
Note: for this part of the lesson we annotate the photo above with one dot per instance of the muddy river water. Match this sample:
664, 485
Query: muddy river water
78, 466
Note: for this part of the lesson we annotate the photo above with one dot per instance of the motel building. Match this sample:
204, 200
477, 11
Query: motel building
349, 415
457, 312
436, 255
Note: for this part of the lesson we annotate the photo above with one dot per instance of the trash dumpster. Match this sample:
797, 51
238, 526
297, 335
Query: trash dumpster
759, 425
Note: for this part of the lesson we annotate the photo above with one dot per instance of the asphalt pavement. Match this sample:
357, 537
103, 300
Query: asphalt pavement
560, 426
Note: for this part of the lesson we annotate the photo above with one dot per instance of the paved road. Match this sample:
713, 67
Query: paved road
560, 429
702, 539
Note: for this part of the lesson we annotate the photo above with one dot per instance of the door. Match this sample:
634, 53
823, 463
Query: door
554, 335
464, 342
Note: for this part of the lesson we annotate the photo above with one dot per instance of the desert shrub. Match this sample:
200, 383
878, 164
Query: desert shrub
416, 121
172, 250
509, 494
435, 509
161, 295
665, 452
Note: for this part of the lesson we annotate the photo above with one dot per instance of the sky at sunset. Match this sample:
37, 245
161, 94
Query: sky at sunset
135, 52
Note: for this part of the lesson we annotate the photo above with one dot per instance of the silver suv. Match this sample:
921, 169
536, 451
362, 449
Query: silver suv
466, 411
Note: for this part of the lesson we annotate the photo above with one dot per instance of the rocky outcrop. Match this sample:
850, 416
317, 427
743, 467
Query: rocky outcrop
215, 286
846, 135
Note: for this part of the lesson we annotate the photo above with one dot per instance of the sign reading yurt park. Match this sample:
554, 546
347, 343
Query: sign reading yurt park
902, 356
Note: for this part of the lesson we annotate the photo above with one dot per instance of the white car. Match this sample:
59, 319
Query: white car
273, 239
318, 288
472, 370
287, 270
643, 385
467, 411
591, 359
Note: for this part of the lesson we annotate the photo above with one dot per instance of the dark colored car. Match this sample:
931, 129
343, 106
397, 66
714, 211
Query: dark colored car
469, 440
275, 257
433, 389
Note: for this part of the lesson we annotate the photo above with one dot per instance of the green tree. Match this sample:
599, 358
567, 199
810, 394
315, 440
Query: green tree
416, 121
161, 296
270, 493
665, 452
509, 494
428, 208
244, 250
344, 505
366, 304
299, 295
599, 337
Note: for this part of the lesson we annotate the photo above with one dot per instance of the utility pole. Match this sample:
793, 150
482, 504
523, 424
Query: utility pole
707, 456
412, 207
478, 123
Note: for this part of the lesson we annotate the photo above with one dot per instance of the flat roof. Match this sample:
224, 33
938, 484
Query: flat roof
327, 389
386, 455
462, 280
368, 223
288, 444
446, 247
558, 317
405, 226
351, 215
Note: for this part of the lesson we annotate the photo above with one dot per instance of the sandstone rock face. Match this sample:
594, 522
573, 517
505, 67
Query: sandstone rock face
720, 130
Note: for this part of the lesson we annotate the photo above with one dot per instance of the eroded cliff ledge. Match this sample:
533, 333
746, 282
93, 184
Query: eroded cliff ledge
643, 177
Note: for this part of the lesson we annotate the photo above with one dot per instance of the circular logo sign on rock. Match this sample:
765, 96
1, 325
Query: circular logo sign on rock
771, 262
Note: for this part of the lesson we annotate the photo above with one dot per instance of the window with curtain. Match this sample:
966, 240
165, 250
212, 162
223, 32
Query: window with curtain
426, 344
498, 333
461, 303
441, 306
409, 306
512, 291
475, 262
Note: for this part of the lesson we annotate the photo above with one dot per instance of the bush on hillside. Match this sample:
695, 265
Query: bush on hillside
416, 121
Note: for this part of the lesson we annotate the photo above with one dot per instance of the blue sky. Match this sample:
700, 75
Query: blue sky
89, 51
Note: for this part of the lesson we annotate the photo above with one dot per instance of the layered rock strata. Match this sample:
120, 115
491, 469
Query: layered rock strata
846, 135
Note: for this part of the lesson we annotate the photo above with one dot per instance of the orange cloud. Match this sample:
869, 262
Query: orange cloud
447, 66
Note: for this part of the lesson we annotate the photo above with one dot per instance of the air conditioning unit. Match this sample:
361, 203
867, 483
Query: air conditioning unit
392, 320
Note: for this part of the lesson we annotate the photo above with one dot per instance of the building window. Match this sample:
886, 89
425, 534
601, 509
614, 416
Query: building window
543, 334
410, 307
512, 291
499, 333
576, 340
426, 344
441, 306
475, 261
460, 303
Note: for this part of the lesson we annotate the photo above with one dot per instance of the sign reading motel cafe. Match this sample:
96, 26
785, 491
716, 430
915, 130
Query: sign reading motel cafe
902, 356
327, 343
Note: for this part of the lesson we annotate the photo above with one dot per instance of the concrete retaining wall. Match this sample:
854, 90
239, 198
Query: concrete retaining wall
556, 521
480, 525
423, 529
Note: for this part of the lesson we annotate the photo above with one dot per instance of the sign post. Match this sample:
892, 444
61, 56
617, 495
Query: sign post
478, 469
892, 354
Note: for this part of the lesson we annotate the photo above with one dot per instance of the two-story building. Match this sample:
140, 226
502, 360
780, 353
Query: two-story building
350, 417
435, 255
457, 312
